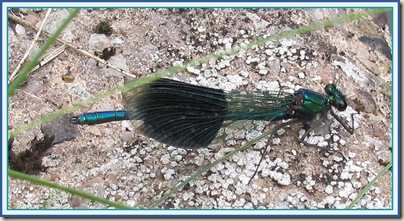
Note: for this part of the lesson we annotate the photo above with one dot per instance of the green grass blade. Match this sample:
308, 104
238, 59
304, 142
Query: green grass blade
367, 187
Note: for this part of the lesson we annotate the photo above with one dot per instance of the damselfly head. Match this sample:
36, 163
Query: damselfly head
339, 101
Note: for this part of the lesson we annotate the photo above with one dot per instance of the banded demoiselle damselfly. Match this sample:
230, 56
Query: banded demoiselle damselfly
190, 116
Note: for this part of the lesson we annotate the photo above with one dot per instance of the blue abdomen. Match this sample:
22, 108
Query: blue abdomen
99, 117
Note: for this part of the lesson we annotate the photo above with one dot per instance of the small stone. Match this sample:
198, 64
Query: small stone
384, 156
330, 200
191, 69
127, 136
178, 63
269, 52
345, 175
282, 179
62, 129
19, 29
329, 189
283, 69
280, 132
165, 159
168, 174
244, 73
201, 29
344, 193
283, 165
131, 203
356, 184
338, 159
342, 142
276, 141
335, 138
118, 61
263, 72
378, 190
352, 155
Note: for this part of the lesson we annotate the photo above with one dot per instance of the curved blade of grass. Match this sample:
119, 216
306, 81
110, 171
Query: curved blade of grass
24, 73
173, 70
83, 194
370, 185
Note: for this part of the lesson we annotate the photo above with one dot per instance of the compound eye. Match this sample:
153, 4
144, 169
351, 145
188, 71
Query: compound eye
330, 89
341, 106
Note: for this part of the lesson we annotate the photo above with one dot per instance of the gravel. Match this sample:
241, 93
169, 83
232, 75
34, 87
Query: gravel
149, 40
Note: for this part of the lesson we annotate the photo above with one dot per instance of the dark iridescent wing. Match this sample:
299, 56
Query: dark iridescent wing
189, 116
176, 113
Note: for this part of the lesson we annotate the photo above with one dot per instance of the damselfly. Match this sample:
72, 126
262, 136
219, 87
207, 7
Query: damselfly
190, 116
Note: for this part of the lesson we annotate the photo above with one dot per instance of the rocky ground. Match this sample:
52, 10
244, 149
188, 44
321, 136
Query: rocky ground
112, 160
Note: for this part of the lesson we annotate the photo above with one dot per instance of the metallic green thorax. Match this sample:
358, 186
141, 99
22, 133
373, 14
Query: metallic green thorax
308, 103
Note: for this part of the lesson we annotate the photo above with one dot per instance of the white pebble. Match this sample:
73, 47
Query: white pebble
291, 78
281, 51
323, 144
191, 69
344, 193
168, 174
283, 165
283, 69
284, 179
276, 141
263, 72
201, 29
336, 138
329, 200
345, 175
19, 29
131, 203
165, 159
352, 155
329, 189
269, 52
280, 131
356, 184
338, 159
